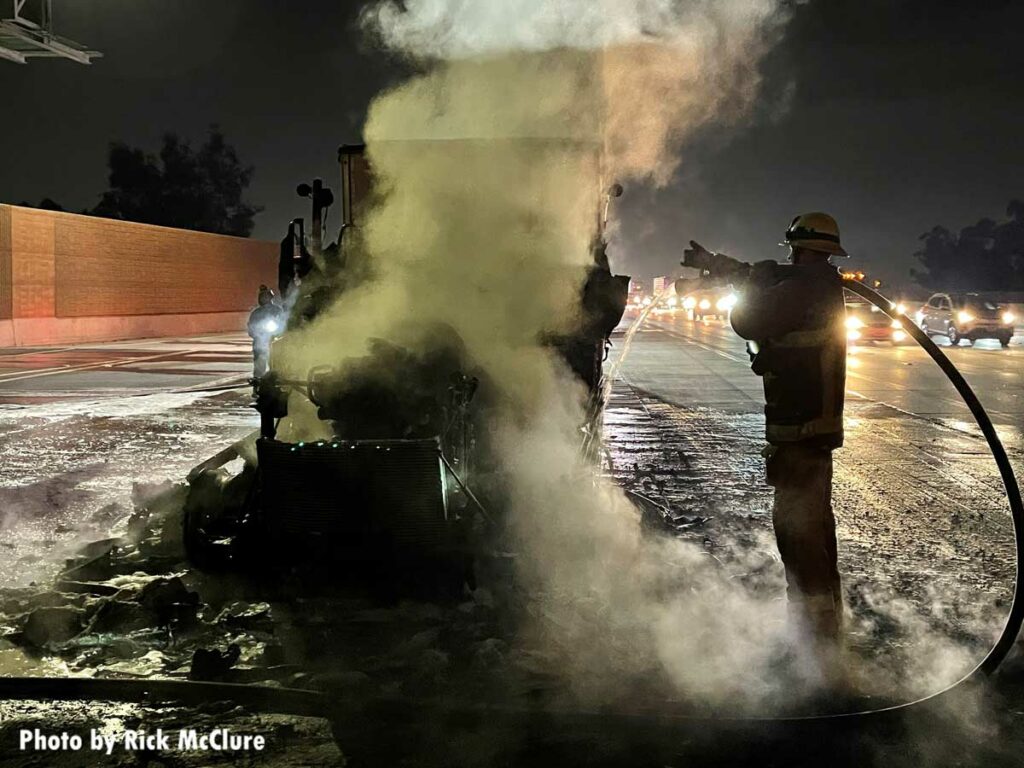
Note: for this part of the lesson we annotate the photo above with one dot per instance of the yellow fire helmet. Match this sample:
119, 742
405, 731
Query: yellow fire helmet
816, 231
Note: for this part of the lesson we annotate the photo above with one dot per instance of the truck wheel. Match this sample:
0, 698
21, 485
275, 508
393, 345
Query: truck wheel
1005, 340
954, 336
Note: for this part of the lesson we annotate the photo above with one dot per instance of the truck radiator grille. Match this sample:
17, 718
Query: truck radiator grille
361, 493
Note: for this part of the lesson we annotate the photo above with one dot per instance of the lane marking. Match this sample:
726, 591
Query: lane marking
702, 345
44, 351
726, 381
1007, 419
116, 363
930, 393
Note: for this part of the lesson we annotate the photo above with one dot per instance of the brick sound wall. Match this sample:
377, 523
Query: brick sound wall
66, 277
120, 268
5, 263
32, 262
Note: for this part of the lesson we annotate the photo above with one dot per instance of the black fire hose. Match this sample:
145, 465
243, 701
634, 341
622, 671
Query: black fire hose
1010, 631
338, 707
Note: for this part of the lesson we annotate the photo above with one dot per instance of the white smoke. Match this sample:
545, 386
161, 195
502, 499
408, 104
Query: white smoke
489, 167
664, 67
449, 29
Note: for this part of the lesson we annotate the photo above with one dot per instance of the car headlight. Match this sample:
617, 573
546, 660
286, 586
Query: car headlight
1008, 317
673, 301
689, 302
899, 336
726, 303
853, 323
853, 334
964, 317
901, 309
704, 304
896, 324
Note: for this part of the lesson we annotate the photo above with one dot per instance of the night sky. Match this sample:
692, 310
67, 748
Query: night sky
893, 116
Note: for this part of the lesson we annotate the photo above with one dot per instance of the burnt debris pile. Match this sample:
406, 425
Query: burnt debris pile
134, 607
393, 392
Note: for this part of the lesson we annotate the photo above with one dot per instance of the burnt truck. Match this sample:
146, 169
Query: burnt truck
396, 483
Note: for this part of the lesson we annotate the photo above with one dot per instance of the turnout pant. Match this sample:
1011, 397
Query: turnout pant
260, 357
805, 530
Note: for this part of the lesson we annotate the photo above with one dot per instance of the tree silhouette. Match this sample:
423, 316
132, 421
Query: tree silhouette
45, 204
985, 256
181, 187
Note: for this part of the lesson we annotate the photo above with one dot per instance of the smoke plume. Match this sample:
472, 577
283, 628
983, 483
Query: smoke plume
666, 67
490, 167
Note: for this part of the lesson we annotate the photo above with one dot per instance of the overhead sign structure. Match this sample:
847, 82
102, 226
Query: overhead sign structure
23, 38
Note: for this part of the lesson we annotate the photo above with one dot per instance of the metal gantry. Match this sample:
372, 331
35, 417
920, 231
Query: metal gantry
22, 38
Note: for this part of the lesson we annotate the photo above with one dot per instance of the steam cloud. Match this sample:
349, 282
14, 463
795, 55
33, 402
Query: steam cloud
490, 166
666, 66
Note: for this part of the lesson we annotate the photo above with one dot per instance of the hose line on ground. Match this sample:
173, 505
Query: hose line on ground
299, 702
1010, 631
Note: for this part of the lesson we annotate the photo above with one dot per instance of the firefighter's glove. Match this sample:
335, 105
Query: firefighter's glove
697, 256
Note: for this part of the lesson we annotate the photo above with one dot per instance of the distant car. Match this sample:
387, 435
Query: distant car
668, 303
710, 302
637, 301
866, 322
966, 316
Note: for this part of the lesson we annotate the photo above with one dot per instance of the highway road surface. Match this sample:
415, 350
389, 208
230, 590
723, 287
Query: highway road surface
902, 377
82, 426
925, 538
925, 545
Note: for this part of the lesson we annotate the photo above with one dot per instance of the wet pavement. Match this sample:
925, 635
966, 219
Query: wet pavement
925, 546
79, 426
903, 376
85, 431
925, 537
122, 368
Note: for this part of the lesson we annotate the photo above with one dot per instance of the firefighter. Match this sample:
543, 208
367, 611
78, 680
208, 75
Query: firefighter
265, 322
793, 319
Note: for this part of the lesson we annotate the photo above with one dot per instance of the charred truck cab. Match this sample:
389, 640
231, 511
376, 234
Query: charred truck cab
392, 487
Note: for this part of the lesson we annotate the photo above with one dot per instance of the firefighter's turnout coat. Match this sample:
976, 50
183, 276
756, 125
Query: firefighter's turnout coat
794, 320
